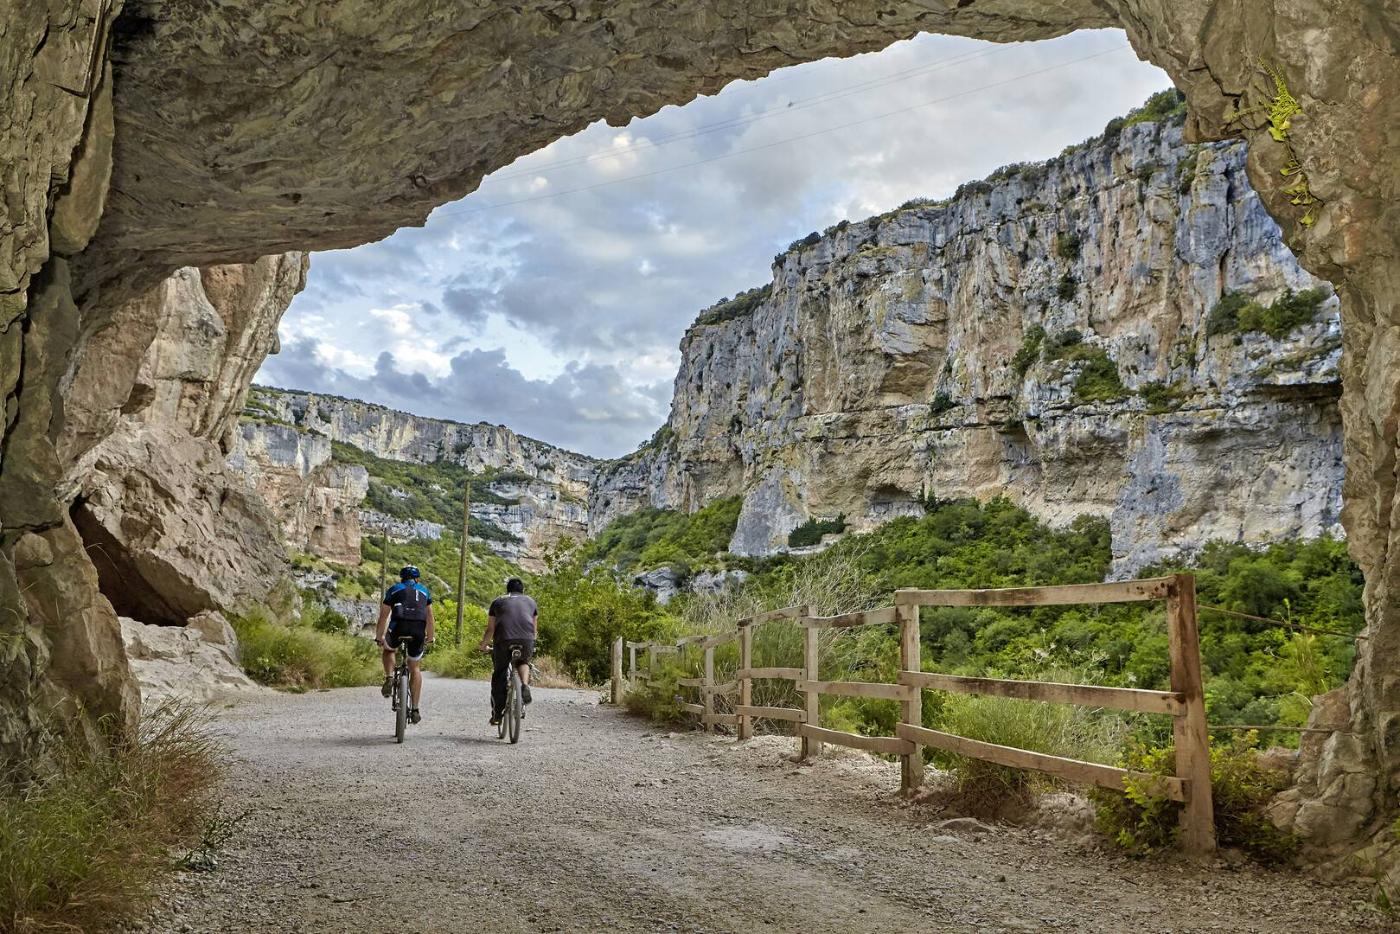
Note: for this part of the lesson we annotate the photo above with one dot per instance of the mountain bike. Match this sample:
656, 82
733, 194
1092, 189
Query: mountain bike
515, 704
402, 695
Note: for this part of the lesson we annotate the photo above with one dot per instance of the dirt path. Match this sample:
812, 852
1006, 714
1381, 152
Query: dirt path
596, 821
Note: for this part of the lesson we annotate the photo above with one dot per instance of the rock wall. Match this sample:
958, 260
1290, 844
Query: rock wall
548, 485
317, 500
884, 363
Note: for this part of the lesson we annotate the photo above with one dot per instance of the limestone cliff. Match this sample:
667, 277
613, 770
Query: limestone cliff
316, 499
540, 491
1055, 334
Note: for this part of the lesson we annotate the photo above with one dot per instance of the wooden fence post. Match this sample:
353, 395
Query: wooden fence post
745, 682
617, 671
911, 766
811, 747
707, 690
631, 662
1189, 730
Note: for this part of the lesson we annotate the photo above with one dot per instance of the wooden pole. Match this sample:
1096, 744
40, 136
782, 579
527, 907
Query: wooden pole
707, 689
632, 662
911, 767
811, 746
384, 558
617, 671
1189, 729
745, 683
462, 556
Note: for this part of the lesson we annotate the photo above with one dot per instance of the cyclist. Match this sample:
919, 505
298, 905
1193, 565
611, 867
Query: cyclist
511, 623
408, 612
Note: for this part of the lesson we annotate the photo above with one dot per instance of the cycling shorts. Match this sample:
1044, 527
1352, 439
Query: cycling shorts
413, 635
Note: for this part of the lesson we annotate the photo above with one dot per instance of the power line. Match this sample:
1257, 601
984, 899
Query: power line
737, 122
782, 142
1282, 622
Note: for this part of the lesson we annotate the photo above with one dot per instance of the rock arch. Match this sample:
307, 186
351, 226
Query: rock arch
222, 132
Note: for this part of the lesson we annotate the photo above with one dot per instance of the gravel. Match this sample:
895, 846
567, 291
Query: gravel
597, 820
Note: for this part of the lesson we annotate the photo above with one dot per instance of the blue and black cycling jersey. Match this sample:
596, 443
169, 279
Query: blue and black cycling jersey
392, 595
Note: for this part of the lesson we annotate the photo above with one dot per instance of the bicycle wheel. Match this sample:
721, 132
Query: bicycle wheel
401, 707
513, 706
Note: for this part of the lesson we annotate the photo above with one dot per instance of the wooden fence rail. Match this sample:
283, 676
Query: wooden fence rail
1184, 703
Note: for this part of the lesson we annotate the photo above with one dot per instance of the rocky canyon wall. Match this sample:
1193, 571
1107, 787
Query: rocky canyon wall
540, 491
1045, 335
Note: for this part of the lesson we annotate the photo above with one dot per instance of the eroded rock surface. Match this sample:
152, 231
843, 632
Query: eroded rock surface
196, 662
941, 350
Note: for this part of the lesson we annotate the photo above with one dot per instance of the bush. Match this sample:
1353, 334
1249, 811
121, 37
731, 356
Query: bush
1067, 288
1167, 106
1067, 245
299, 658
1061, 343
745, 303
1098, 379
1143, 822
459, 661
86, 844
1057, 729
1237, 313
1029, 351
650, 538
811, 531
942, 402
655, 697
1162, 397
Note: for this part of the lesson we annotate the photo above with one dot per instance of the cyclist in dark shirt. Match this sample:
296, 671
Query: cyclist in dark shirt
408, 612
511, 623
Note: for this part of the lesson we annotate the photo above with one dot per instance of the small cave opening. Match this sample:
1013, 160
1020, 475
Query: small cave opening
119, 576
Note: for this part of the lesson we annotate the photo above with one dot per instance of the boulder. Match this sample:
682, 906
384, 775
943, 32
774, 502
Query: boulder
197, 662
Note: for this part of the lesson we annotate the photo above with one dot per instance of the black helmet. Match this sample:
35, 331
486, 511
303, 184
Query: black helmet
408, 573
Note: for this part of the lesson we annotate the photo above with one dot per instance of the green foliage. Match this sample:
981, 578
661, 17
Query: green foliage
1098, 379
653, 537
86, 844
655, 697
811, 531
1029, 351
432, 492
297, 657
810, 240
1162, 397
1237, 313
1057, 729
584, 607
1067, 245
942, 402
741, 305
1068, 287
459, 661
1165, 106
1279, 108
1143, 822
1062, 343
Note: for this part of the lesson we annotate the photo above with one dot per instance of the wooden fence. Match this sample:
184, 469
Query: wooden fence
1185, 702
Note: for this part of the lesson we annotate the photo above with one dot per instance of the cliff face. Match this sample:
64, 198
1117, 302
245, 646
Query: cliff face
1046, 335
543, 489
317, 500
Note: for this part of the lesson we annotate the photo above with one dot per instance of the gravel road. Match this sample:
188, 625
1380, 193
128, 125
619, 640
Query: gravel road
597, 821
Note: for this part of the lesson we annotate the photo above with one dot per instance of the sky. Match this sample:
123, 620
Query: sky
553, 299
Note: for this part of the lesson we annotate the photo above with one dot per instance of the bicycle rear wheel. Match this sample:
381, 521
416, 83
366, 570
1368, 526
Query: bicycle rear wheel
513, 706
401, 708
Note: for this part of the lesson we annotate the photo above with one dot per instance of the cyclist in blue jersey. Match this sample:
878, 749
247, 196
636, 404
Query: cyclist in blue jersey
406, 616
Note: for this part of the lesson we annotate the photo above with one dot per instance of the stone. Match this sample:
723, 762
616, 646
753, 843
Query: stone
184, 663
665, 582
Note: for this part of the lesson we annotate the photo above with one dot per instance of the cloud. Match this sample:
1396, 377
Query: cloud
583, 263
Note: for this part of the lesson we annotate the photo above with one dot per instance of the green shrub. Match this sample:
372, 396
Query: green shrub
655, 697
1237, 313
1067, 245
459, 661
741, 305
1060, 345
297, 657
650, 538
1098, 379
1068, 287
1162, 397
1167, 106
86, 844
1144, 822
1029, 351
324, 619
942, 402
811, 531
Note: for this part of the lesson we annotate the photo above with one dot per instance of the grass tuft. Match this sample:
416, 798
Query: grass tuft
84, 844
298, 657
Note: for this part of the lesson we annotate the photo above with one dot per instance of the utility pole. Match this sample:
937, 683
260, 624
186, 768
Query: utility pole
462, 558
384, 558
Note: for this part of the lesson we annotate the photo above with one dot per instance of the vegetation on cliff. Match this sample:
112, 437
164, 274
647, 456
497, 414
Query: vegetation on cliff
651, 538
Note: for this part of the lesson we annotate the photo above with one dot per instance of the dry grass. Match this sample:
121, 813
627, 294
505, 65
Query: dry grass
84, 845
